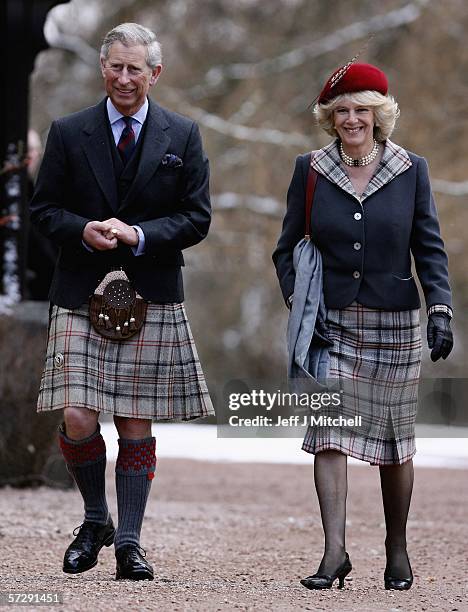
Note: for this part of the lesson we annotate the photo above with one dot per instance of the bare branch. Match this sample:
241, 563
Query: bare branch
243, 132
296, 57
236, 130
453, 188
267, 206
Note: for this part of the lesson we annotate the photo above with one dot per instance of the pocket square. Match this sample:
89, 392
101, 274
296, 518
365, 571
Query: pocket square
172, 161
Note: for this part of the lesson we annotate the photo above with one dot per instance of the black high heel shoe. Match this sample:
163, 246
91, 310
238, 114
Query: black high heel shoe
325, 581
399, 584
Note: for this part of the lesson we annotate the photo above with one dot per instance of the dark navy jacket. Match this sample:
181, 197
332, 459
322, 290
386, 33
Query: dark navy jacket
366, 243
77, 184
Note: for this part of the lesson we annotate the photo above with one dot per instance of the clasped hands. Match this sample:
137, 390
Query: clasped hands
105, 235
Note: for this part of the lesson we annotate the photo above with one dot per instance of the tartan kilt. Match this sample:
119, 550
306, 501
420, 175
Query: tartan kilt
375, 363
155, 374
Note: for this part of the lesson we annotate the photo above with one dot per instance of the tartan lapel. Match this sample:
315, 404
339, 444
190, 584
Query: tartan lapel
395, 160
327, 162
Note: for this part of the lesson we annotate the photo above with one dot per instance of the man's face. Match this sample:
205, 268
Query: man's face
127, 77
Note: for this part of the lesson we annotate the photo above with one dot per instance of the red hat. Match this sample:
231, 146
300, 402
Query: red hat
351, 78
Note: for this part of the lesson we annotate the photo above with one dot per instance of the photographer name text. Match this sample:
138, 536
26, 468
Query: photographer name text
295, 421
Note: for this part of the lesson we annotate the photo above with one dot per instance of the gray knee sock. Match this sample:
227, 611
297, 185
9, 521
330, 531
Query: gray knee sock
86, 462
134, 471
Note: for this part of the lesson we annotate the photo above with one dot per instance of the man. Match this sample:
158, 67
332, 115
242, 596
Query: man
123, 185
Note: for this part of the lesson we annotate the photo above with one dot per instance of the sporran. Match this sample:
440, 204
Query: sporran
116, 310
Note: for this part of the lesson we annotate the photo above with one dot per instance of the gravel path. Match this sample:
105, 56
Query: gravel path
238, 537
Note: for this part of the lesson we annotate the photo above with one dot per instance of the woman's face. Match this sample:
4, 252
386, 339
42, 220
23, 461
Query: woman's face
354, 124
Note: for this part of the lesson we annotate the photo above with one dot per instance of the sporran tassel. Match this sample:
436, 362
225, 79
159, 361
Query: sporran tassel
107, 321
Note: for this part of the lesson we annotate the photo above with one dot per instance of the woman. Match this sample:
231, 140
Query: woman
372, 208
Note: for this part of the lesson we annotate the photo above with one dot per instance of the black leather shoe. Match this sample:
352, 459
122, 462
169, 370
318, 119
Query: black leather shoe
399, 584
325, 581
131, 565
83, 552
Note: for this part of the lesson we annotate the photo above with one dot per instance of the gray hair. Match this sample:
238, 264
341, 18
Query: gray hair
130, 34
386, 112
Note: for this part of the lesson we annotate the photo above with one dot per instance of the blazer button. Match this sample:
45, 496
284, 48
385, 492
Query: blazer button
357, 246
357, 216
356, 274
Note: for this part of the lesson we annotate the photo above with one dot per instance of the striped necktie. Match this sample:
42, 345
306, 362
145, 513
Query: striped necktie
126, 144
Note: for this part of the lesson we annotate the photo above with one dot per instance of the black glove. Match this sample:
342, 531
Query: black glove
321, 334
439, 335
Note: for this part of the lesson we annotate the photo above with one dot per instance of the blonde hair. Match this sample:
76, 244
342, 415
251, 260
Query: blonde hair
385, 108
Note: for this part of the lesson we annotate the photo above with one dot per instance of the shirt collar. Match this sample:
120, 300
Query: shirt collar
115, 115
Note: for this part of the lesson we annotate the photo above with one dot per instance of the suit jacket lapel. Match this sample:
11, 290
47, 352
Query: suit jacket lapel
95, 141
155, 144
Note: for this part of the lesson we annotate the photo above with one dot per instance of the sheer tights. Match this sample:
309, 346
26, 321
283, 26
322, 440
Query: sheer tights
331, 483
396, 482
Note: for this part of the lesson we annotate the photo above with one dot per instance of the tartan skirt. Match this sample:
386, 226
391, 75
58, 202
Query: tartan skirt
155, 374
375, 364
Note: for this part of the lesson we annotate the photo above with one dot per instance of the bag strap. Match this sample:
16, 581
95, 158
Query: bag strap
310, 190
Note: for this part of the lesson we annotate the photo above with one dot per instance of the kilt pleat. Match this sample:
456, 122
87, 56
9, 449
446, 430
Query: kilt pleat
155, 374
375, 362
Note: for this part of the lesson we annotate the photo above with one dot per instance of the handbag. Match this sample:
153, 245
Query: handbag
116, 310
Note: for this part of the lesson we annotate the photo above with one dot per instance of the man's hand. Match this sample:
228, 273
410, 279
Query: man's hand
104, 235
439, 336
123, 232
98, 235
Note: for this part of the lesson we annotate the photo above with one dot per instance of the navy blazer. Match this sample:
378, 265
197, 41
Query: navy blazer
76, 184
366, 243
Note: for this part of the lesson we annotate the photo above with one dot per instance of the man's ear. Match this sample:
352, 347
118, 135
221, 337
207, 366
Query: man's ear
102, 63
155, 74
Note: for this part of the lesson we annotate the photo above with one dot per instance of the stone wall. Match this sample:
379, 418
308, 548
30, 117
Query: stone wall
29, 453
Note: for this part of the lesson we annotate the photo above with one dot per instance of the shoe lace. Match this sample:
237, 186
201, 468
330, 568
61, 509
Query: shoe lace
83, 533
133, 547
142, 550
77, 529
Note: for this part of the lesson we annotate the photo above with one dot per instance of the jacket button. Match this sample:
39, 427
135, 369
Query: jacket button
357, 246
357, 216
356, 274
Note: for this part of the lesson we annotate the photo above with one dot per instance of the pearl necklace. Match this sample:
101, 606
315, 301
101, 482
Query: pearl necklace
360, 161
